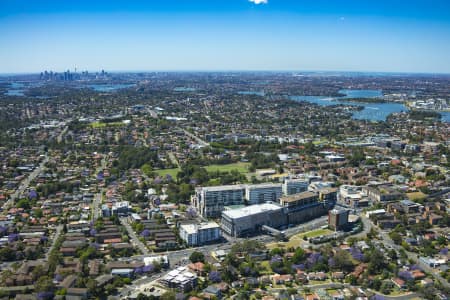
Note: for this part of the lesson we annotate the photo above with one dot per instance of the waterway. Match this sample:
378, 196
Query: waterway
16, 89
371, 111
184, 89
110, 87
251, 93
445, 116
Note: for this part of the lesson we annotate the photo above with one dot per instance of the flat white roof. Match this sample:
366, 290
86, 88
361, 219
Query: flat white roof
194, 228
122, 271
295, 180
151, 259
121, 204
346, 187
354, 196
251, 210
222, 188
179, 275
264, 186
338, 211
334, 156
376, 212
136, 217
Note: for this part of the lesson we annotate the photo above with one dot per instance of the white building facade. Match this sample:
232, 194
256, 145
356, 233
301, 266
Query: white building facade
262, 193
199, 234
211, 201
294, 186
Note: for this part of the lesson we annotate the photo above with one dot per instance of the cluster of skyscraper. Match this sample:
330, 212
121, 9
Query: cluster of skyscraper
70, 76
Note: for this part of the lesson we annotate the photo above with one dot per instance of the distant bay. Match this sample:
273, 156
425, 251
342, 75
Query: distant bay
16, 89
110, 87
371, 111
184, 89
251, 93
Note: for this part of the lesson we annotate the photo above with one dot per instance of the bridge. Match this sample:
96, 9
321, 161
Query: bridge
274, 232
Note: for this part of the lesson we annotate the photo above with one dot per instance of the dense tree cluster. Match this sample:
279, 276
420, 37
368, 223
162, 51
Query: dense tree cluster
135, 158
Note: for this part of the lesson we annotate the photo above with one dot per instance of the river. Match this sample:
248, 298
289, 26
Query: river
371, 111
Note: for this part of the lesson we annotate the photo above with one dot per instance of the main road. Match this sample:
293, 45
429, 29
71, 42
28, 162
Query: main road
199, 140
179, 256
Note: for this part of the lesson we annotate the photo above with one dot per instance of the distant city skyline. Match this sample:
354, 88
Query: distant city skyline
233, 35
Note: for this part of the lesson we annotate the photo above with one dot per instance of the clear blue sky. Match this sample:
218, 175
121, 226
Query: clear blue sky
351, 35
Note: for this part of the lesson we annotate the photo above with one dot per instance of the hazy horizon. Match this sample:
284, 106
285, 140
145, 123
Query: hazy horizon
340, 72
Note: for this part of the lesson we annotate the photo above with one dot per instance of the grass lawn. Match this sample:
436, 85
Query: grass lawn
396, 292
321, 141
102, 125
172, 172
241, 167
270, 246
267, 270
296, 240
314, 233
214, 181
318, 282
291, 243
416, 196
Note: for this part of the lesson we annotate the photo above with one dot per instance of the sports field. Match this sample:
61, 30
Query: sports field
102, 124
172, 172
240, 167
296, 240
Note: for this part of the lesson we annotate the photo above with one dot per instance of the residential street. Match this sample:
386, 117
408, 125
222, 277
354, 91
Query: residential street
134, 238
388, 242
26, 182
58, 231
